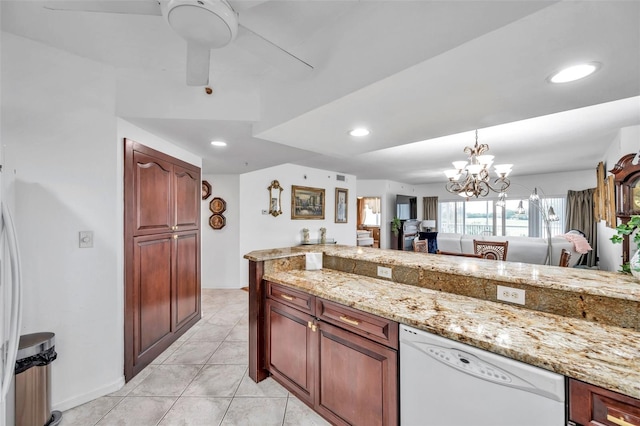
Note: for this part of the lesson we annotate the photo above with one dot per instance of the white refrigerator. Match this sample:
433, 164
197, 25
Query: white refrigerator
10, 309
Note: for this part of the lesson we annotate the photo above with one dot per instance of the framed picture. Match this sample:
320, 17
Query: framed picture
307, 203
342, 205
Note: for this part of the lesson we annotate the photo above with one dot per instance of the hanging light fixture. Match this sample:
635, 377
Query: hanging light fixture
471, 178
547, 213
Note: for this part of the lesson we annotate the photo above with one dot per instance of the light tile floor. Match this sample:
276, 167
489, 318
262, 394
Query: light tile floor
200, 380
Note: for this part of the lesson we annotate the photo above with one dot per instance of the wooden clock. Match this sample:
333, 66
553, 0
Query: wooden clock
627, 181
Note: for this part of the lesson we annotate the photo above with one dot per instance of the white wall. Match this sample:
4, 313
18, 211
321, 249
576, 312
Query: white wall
58, 130
63, 154
221, 248
626, 141
263, 231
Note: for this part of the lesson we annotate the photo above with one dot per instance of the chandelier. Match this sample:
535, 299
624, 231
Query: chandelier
471, 178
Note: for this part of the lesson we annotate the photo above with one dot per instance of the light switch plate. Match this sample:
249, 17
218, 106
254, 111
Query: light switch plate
85, 239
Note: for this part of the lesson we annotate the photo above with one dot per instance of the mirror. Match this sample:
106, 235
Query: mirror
275, 191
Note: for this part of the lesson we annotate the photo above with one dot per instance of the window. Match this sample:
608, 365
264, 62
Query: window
483, 217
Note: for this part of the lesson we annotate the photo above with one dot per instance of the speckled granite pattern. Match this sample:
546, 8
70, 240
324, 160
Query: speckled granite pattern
597, 296
603, 355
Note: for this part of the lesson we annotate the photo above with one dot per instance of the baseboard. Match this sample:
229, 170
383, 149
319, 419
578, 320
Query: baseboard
89, 396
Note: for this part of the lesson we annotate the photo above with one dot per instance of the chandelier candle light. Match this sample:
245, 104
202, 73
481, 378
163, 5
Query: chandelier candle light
476, 181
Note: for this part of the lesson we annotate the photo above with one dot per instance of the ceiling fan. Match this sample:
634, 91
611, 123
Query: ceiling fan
204, 24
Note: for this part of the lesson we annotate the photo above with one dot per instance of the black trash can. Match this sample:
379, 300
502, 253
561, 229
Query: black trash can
36, 352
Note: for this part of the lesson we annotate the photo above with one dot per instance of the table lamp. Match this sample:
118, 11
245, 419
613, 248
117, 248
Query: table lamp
428, 225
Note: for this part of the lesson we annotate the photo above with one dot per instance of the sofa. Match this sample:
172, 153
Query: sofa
521, 249
364, 238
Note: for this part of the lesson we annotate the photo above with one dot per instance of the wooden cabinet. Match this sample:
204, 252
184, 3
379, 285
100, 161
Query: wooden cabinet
166, 196
290, 357
162, 252
594, 406
340, 361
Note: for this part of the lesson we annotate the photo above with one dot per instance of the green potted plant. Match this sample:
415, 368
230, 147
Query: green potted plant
395, 226
622, 230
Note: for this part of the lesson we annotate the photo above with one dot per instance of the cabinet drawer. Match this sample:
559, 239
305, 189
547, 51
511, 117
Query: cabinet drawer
290, 297
592, 405
378, 329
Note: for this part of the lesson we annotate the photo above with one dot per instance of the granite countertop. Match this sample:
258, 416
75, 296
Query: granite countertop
587, 281
603, 355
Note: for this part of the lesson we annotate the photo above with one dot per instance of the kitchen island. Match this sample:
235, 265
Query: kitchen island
583, 324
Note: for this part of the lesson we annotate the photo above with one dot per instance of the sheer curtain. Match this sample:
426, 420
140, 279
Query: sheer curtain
430, 208
580, 216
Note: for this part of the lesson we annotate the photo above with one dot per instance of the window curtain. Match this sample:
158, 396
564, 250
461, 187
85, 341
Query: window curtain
430, 209
360, 212
580, 216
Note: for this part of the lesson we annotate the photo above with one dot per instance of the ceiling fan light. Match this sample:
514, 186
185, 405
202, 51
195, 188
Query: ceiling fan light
575, 72
210, 23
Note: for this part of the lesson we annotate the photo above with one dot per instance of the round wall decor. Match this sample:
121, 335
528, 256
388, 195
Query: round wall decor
217, 205
217, 221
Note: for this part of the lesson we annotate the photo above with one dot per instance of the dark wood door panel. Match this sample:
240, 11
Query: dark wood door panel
357, 379
152, 194
289, 356
162, 263
188, 197
152, 295
187, 282
591, 405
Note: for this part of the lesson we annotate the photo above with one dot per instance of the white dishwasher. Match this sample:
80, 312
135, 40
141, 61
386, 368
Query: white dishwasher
447, 383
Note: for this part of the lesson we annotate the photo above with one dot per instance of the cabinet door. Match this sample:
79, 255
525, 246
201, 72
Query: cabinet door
186, 303
290, 346
152, 195
188, 196
591, 405
357, 379
150, 295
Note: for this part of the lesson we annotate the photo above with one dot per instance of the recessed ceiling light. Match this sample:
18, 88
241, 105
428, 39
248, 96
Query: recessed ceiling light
359, 131
575, 72
218, 143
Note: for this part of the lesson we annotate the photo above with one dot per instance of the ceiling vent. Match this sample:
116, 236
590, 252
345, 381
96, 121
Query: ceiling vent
341, 178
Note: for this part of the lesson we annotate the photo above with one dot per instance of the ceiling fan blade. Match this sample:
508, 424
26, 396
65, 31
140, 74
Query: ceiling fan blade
129, 7
270, 52
242, 5
198, 57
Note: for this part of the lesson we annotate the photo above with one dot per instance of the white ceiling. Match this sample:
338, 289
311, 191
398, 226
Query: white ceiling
421, 74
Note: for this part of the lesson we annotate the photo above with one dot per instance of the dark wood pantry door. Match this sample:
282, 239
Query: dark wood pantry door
162, 252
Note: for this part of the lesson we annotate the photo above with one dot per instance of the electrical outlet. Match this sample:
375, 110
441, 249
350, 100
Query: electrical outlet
85, 239
384, 272
509, 294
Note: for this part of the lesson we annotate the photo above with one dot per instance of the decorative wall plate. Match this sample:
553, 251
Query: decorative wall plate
217, 205
206, 189
217, 221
